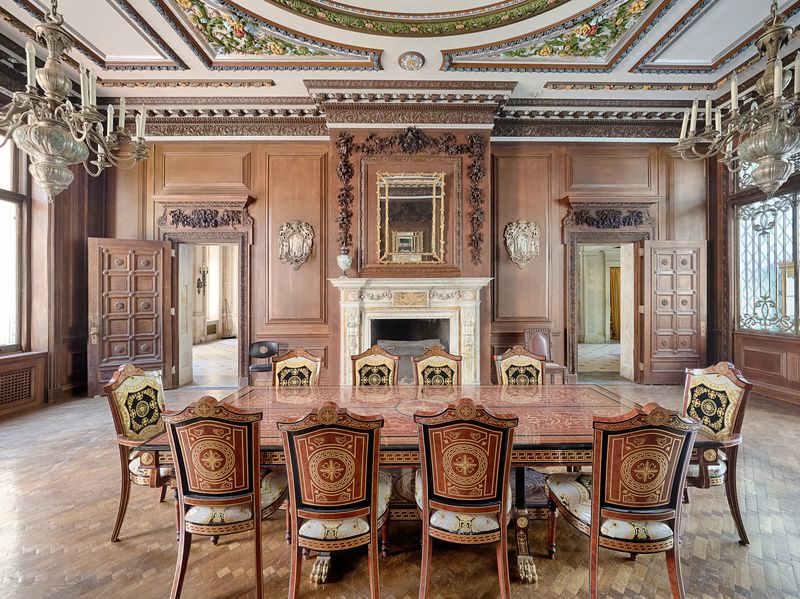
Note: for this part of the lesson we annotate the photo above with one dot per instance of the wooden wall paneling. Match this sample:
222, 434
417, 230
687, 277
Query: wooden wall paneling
770, 362
202, 168
687, 198
610, 170
125, 194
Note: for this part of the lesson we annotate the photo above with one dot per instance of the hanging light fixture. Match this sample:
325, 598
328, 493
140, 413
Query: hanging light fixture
55, 133
763, 134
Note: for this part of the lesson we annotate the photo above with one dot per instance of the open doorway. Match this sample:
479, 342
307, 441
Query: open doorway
606, 308
207, 313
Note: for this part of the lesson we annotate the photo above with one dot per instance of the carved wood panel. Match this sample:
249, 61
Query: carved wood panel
611, 170
674, 309
202, 169
129, 307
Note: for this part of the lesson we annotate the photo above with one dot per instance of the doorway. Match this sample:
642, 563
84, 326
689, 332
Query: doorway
605, 287
208, 315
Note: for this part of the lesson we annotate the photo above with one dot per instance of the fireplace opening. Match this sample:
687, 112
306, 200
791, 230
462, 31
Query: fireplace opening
409, 337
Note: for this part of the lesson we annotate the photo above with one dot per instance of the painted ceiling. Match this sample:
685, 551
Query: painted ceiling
571, 50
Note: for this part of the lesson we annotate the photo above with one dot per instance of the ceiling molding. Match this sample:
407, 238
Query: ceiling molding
401, 84
647, 64
236, 127
171, 61
631, 86
279, 48
432, 24
551, 49
581, 128
177, 83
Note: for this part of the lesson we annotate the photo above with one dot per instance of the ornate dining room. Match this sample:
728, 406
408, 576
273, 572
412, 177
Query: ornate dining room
360, 298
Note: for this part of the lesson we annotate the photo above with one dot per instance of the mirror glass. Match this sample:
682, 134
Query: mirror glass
410, 217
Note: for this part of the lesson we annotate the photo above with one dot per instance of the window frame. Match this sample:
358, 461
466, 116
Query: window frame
20, 195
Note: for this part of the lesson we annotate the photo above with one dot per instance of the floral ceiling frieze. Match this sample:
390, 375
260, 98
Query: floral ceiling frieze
429, 24
592, 41
227, 36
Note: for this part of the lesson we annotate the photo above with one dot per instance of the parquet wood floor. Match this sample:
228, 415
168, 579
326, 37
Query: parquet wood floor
58, 498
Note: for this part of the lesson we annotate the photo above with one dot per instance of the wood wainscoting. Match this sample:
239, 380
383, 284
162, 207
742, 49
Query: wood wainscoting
770, 362
22, 381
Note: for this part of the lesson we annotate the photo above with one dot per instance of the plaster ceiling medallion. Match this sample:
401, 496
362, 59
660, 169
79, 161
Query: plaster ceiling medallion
411, 61
229, 37
595, 40
418, 23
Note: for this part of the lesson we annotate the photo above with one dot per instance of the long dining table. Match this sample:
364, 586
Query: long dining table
555, 427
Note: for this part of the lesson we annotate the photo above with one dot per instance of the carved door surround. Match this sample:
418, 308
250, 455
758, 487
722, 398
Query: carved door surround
599, 222
213, 221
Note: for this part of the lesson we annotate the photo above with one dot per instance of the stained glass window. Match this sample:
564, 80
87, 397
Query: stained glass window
768, 265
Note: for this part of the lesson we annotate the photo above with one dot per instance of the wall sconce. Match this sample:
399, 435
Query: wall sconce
201, 280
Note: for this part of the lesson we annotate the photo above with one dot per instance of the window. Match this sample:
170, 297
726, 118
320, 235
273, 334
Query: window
11, 206
768, 263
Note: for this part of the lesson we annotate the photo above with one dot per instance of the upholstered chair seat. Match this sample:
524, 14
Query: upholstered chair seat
328, 530
458, 523
141, 476
716, 472
574, 492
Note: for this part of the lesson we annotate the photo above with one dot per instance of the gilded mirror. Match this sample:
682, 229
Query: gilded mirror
411, 219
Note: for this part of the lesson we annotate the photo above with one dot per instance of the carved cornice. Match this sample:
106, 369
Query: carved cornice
400, 84
410, 114
238, 127
644, 129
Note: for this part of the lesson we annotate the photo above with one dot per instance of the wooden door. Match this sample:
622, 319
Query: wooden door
130, 307
673, 310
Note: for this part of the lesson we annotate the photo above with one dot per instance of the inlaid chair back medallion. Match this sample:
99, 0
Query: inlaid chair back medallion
138, 402
296, 368
437, 368
295, 376
714, 396
519, 367
375, 368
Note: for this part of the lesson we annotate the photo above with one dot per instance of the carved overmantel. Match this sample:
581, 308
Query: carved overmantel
456, 299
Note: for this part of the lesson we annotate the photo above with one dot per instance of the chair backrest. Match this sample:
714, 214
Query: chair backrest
537, 341
465, 456
437, 367
136, 398
215, 449
375, 368
519, 367
263, 349
716, 396
296, 368
332, 461
639, 461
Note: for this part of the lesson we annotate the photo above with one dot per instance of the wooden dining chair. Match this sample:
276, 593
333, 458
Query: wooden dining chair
632, 500
296, 368
716, 396
337, 498
462, 488
221, 489
436, 367
517, 366
136, 399
375, 368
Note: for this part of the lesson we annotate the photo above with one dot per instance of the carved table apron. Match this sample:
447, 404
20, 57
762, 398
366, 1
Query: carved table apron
555, 427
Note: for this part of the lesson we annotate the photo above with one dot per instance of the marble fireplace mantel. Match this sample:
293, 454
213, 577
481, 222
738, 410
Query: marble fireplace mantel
456, 299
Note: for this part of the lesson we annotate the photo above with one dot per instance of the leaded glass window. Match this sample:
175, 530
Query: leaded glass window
768, 265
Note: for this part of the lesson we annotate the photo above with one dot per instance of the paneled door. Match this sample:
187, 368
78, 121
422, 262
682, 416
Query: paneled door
673, 309
130, 306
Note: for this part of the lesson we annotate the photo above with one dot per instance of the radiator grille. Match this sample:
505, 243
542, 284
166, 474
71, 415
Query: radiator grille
15, 387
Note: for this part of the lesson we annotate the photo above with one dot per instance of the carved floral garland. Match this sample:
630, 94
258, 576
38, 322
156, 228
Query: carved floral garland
412, 141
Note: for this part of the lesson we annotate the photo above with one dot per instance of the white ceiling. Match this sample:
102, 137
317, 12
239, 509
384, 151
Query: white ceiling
119, 41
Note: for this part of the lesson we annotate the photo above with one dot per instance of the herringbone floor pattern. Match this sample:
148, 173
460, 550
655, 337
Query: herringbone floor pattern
59, 490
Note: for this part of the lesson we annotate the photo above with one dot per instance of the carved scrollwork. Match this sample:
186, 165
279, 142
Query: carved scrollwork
412, 141
204, 218
296, 239
608, 218
522, 241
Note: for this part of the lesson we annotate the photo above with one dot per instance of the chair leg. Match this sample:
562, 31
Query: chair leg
163, 494
124, 493
374, 575
593, 555
502, 565
552, 520
294, 572
385, 537
259, 559
214, 539
685, 494
178, 515
184, 545
732, 493
674, 571
288, 526
425, 573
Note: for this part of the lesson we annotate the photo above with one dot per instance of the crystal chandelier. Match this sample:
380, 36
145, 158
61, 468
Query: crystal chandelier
762, 135
55, 133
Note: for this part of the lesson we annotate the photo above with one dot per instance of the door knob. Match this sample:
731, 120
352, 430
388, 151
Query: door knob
93, 336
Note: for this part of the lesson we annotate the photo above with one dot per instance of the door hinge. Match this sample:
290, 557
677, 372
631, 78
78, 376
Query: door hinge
641, 309
172, 311
641, 252
172, 253
641, 366
173, 369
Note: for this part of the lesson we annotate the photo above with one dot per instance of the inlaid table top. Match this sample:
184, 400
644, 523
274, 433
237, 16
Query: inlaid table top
550, 416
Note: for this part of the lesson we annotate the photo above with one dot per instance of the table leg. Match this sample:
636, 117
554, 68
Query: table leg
526, 567
321, 567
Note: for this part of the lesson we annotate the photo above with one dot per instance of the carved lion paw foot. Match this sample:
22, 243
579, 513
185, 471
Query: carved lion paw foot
526, 569
319, 572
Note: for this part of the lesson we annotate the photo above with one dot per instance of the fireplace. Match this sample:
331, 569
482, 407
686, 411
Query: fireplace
407, 316
409, 337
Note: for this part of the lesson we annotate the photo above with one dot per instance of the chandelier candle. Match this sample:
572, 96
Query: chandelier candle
30, 61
